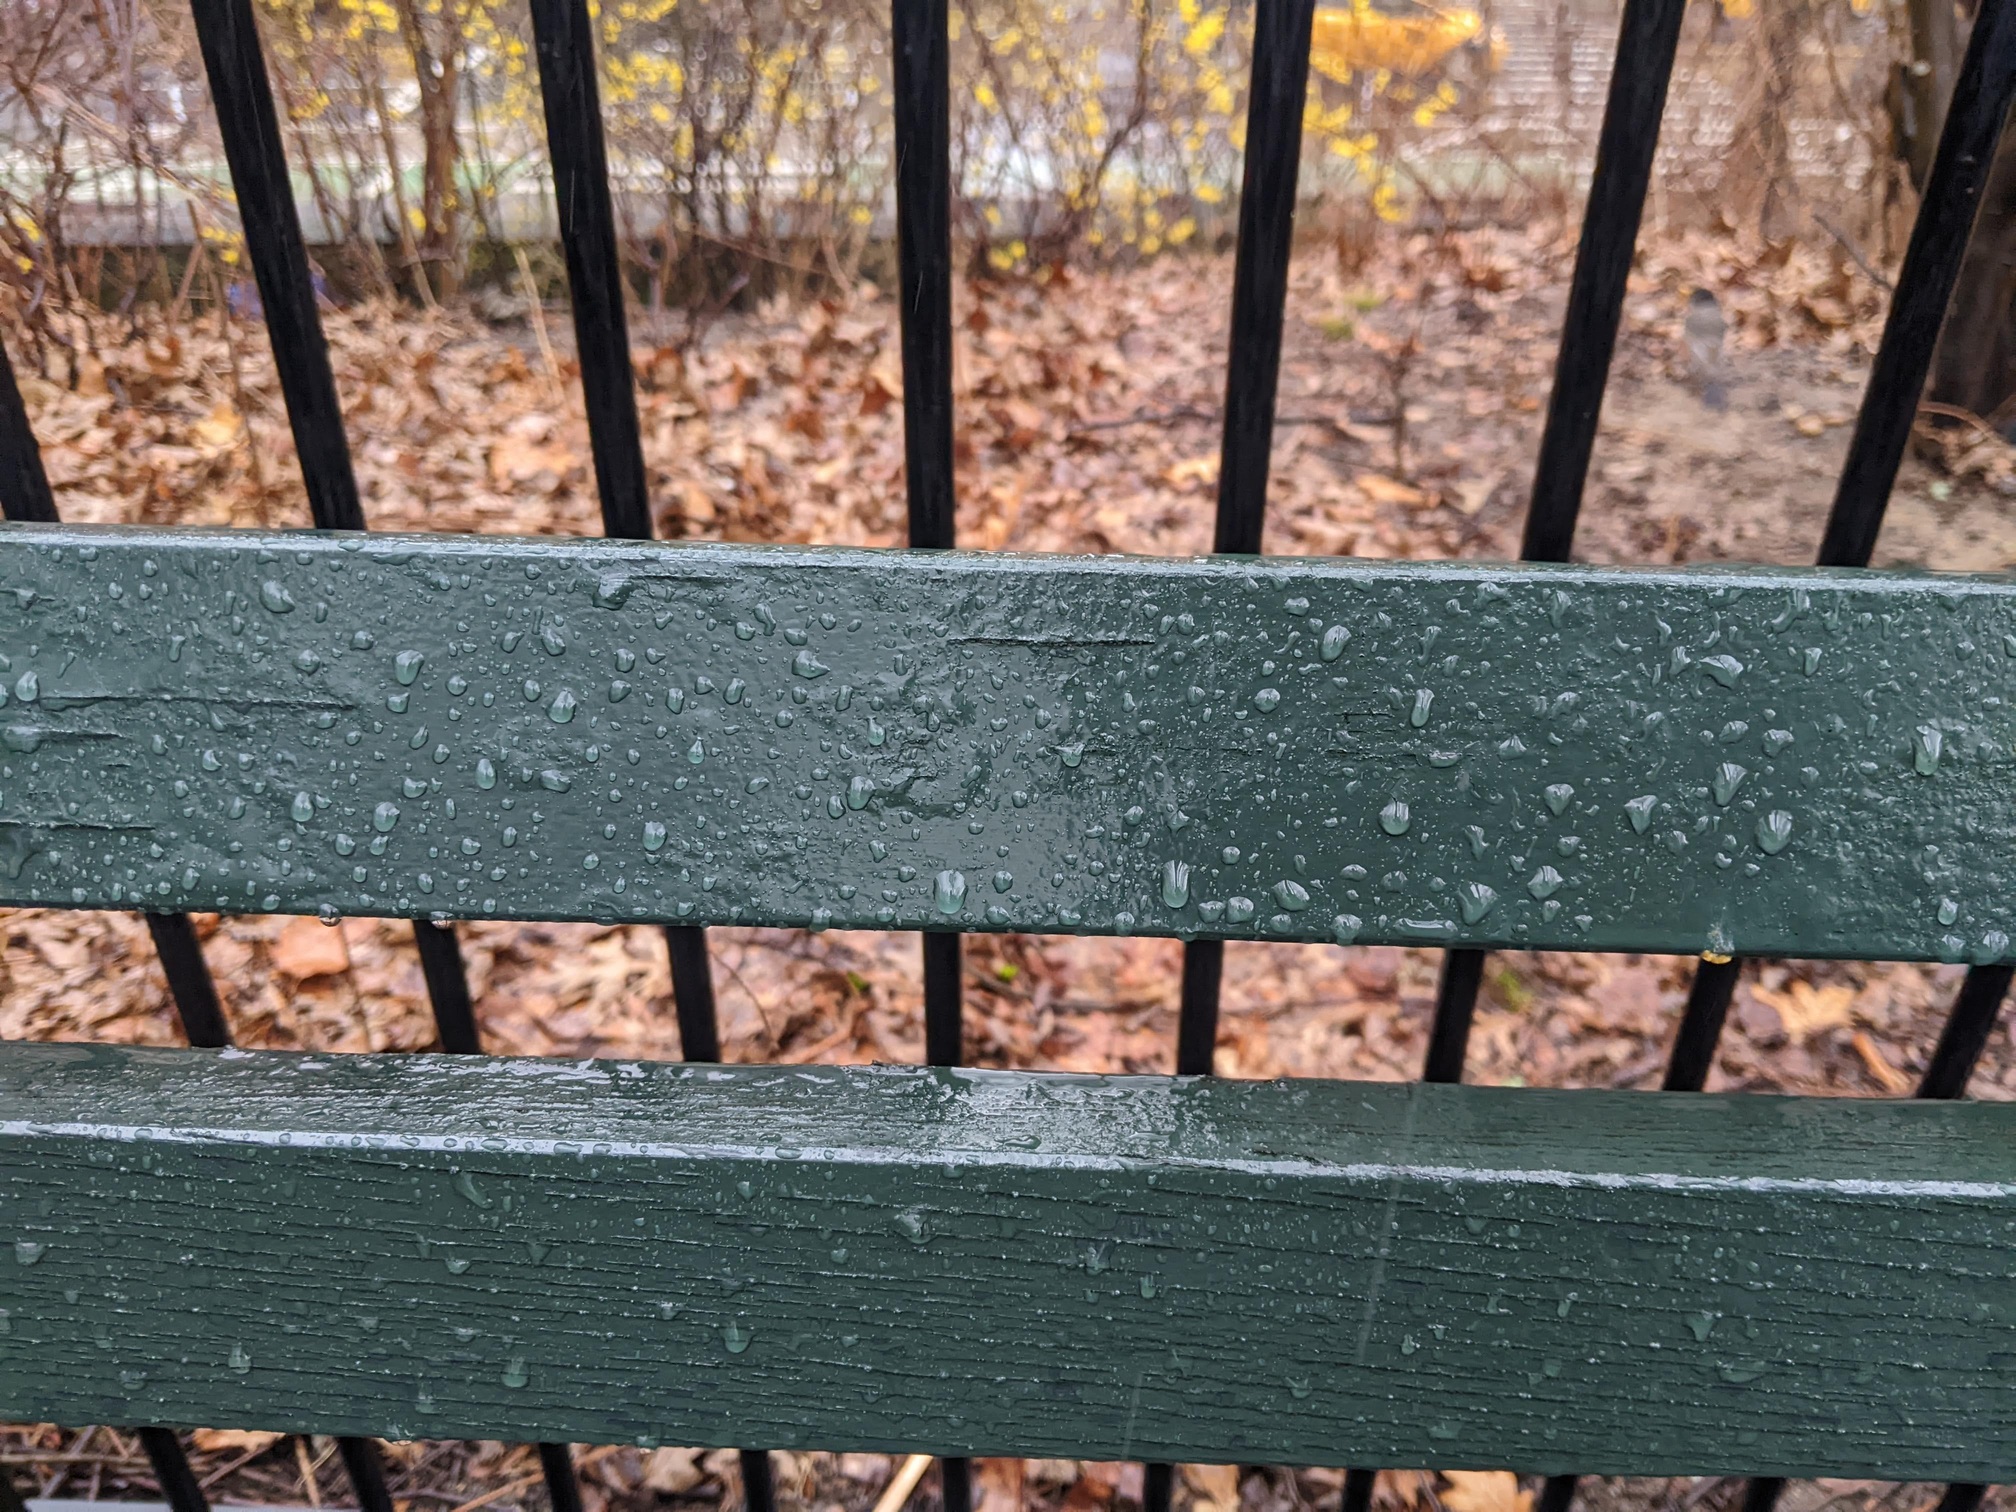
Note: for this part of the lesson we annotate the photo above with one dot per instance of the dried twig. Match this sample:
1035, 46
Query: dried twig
307, 1466
538, 309
1964, 416
1703, 1489
522, 1482
1146, 416
232, 1467
1198, 413
1854, 252
897, 1492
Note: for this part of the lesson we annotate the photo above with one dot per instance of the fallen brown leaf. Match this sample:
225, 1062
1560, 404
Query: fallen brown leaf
1094, 1488
1401, 1487
1381, 489
242, 1440
673, 1472
1472, 494
1805, 1010
520, 459
1887, 1076
1485, 1491
221, 427
1213, 1488
309, 948
999, 1482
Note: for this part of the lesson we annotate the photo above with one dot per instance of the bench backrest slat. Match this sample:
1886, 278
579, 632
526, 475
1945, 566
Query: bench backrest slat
1762, 761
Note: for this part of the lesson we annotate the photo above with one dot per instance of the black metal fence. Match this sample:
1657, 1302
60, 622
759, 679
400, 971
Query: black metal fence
564, 43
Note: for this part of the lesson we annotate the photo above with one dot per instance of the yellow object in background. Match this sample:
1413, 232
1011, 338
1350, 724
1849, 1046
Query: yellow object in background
1357, 38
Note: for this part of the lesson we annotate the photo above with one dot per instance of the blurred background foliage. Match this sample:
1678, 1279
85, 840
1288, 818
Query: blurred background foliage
750, 139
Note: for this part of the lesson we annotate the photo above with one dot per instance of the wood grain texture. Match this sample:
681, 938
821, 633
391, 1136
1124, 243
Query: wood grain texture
1750, 761
960, 1261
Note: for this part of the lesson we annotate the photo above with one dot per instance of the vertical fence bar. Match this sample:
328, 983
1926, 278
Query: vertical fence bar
189, 981
1974, 120
1455, 1007
944, 1012
235, 64
25, 495
1197, 1017
563, 1489
1980, 107
1557, 1493
1275, 95
204, 1027
1700, 1026
759, 1488
564, 41
1963, 1039
693, 993
447, 988
171, 1468
1647, 38
1280, 85
361, 1462
195, 996
1982, 94
921, 53
693, 990
1966, 1031
564, 37
922, 56
243, 97
1456, 988
700, 1040
24, 486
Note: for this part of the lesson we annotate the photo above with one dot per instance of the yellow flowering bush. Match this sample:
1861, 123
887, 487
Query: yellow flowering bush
752, 140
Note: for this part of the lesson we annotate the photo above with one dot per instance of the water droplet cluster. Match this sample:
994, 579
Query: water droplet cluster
627, 1252
1293, 750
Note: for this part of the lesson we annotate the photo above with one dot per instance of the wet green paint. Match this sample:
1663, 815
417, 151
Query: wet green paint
1755, 761
1084, 1267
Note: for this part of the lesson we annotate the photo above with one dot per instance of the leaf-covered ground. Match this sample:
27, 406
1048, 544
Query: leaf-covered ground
1412, 393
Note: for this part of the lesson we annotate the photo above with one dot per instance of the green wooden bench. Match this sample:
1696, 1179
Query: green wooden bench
1721, 762
955, 1261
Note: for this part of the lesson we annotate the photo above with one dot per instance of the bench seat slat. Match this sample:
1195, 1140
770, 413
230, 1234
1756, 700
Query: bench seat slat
958, 1261
1762, 761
